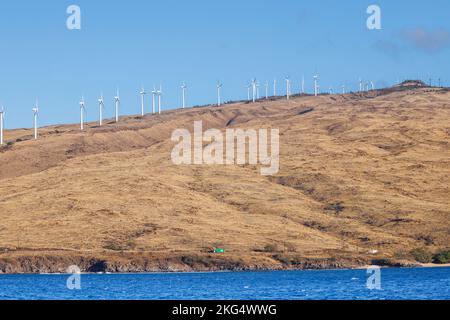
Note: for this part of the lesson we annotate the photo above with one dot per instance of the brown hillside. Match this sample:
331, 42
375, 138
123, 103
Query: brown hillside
358, 172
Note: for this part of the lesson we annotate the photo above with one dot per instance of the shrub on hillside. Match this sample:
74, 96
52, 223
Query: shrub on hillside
442, 257
422, 255
271, 248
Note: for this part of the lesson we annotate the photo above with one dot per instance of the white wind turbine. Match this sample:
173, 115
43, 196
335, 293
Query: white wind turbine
257, 90
101, 107
303, 84
360, 85
183, 89
254, 84
331, 90
267, 90
249, 87
372, 85
82, 111
154, 95
219, 87
275, 87
343, 89
35, 114
143, 93
316, 85
117, 105
160, 93
288, 88
2, 115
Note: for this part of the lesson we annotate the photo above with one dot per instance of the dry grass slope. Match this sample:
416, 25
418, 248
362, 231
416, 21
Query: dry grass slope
358, 172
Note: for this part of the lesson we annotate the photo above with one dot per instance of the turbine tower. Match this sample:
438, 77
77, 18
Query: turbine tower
160, 93
288, 88
183, 89
343, 89
35, 114
360, 85
143, 93
316, 85
257, 90
117, 101
372, 85
254, 90
249, 87
82, 110
275, 87
303, 85
219, 87
101, 106
154, 94
2, 114
267, 90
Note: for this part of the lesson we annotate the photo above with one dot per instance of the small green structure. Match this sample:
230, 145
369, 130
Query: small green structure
219, 250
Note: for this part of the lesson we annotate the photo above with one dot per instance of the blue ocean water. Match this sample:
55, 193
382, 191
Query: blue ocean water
397, 284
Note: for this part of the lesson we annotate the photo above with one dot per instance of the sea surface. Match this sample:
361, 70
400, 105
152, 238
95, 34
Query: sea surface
397, 284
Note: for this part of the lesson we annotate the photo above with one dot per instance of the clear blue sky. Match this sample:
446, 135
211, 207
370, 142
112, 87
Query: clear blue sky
129, 43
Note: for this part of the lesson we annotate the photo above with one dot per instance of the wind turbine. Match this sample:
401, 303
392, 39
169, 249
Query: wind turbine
143, 93
249, 86
82, 110
101, 106
183, 89
360, 85
257, 90
275, 87
219, 87
154, 94
160, 93
2, 114
117, 101
288, 88
35, 114
267, 90
254, 90
316, 85
372, 85
343, 89
331, 90
303, 85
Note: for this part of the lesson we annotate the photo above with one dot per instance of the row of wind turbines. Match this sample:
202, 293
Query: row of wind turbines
254, 86
253, 94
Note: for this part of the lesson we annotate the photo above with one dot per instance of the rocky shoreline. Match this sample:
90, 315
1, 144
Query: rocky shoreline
130, 263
